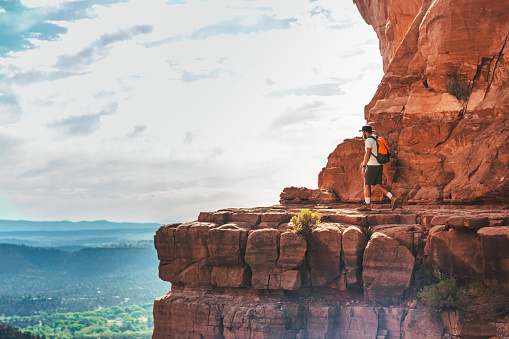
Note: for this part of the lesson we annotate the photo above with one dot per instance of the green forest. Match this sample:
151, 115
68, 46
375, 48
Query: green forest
96, 292
134, 321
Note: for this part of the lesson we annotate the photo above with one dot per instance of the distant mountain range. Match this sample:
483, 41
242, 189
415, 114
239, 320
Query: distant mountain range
72, 236
24, 225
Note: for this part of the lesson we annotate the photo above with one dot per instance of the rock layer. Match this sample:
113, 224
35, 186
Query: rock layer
240, 314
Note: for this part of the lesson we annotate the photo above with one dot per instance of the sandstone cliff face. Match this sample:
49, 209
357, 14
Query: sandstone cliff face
447, 150
245, 274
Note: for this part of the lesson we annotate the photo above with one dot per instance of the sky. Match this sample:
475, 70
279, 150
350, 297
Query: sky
152, 111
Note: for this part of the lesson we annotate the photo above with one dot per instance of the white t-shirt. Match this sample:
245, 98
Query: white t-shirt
371, 143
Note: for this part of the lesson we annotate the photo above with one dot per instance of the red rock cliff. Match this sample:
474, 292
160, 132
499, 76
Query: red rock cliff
447, 149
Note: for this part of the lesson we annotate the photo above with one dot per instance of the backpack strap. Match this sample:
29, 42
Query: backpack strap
376, 139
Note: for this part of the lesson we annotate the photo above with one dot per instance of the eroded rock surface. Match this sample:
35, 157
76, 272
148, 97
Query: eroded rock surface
447, 149
264, 280
242, 314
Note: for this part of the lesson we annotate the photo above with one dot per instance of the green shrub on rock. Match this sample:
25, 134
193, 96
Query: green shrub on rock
442, 296
304, 222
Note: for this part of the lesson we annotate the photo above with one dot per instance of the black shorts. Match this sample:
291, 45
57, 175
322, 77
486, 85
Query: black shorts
373, 175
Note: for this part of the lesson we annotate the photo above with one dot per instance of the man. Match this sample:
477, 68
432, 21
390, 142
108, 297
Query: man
372, 171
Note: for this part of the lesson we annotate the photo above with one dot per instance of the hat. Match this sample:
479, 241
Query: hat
366, 129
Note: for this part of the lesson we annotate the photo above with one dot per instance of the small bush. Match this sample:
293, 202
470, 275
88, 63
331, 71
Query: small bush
367, 231
303, 222
443, 295
458, 86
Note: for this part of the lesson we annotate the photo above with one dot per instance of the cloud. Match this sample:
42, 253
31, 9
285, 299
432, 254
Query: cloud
73, 10
323, 90
98, 50
87, 124
189, 137
232, 25
10, 109
34, 76
303, 114
235, 26
18, 24
330, 20
208, 74
138, 131
80, 125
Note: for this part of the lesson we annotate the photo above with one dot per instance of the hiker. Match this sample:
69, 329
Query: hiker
372, 170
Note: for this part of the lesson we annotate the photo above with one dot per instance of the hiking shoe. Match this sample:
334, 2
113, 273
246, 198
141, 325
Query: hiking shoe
364, 208
394, 203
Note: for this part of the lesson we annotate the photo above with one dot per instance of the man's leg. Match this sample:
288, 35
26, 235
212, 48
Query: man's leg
369, 179
383, 189
367, 199
367, 194
394, 200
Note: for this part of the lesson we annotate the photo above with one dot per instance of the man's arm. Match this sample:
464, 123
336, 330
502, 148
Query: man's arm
366, 159
366, 156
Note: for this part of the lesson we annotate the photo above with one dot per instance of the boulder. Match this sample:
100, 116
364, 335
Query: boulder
410, 236
494, 246
303, 195
262, 253
387, 270
267, 224
238, 276
252, 219
288, 280
454, 252
164, 242
185, 254
292, 251
353, 244
324, 254
197, 273
191, 241
227, 245
218, 217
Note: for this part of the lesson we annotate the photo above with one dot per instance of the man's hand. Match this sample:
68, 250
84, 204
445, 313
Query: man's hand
363, 170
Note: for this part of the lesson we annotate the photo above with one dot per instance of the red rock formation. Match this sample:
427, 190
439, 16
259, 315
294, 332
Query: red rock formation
447, 150
232, 282
465, 249
243, 314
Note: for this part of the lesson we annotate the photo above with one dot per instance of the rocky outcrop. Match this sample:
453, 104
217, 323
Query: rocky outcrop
465, 252
257, 278
447, 149
242, 314
303, 195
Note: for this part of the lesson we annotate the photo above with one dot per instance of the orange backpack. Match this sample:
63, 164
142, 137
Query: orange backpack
384, 154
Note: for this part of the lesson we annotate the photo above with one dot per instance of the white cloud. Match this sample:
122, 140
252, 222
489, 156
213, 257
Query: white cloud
159, 124
44, 3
